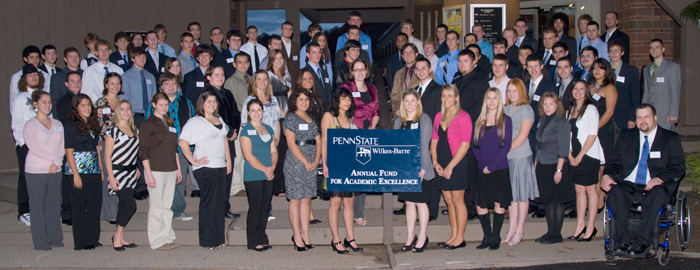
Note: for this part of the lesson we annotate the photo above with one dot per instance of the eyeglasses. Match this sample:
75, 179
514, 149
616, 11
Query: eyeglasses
614, 51
359, 70
102, 50
422, 68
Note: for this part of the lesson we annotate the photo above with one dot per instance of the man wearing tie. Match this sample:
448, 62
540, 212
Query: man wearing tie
523, 38
256, 51
291, 48
441, 33
447, 65
588, 55
564, 78
155, 60
187, 62
627, 84
646, 166
404, 78
322, 83
613, 33
138, 86
93, 76
536, 87
217, 40
395, 62
49, 55
549, 37
225, 57
662, 85
120, 57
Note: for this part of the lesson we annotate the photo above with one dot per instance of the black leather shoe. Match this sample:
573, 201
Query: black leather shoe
451, 247
195, 194
141, 195
112, 222
98, 244
552, 240
432, 218
232, 215
542, 238
132, 245
538, 214
638, 250
314, 221
621, 250
90, 247
68, 222
444, 212
400, 212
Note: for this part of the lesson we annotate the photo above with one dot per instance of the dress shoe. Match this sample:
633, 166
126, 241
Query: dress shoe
119, 248
495, 242
68, 222
485, 242
314, 221
595, 231
400, 212
538, 214
420, 249
451, 247
98, 244
261, 249
542, 238
336, 249
112, 222
432, 218
141, 195
132, 245
444, 212
621, 250
552, 240
195, 194
638, 250
348, 244
90, 247
576, 237
232, 215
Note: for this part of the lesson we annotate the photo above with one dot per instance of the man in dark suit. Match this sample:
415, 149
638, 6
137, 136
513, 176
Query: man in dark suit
564, 79
290, 49
653, 164
523, 37
120, 57
521, 71
155, 61
536, 87
217, 40
499, 47
510, 35
71, 56
49, 55
611, 21
627, 84
225, 58
482, 62
560, 50
560, 22
588, 55
194, 82
472, 84
322, 83
549, 37
441, 34
395, 62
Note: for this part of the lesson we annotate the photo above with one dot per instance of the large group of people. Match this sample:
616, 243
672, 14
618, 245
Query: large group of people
504, 126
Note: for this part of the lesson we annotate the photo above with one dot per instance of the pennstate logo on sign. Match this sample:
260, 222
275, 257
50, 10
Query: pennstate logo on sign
363, 154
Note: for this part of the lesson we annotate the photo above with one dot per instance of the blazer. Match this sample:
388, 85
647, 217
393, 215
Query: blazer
58, 87
485, 65
431, 99
292, 60
543, 87
567, 94
398, 89
570, 44
472, 88
530, 41
669, 167
442, 50
619, 35
554, 77
43, 68
513, 69
550, 63
193, 85
225, 59
116, 56
151, 66
663, 91
426, 126
627, 95
393, 64
228, 110
325, 92
553, 140
512, 54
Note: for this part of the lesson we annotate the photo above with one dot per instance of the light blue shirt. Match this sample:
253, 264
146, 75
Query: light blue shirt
233, 53
602, 48
486, 49
365, 41
442, 77
133, 92
164, 48
303, 62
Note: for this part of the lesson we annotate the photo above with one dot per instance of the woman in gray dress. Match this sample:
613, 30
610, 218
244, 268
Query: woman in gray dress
300, 165
522, 174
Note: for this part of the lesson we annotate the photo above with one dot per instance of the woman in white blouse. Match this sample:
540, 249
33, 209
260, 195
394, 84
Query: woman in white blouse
585, 156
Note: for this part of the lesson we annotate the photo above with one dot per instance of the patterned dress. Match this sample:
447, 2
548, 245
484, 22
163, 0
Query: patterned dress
104, 116
300, 183
271, 113
124, 156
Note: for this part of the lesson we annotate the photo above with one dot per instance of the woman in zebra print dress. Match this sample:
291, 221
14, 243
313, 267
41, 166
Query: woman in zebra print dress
121, 149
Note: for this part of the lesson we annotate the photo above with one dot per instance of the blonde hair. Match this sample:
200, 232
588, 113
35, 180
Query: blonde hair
523, 98
453, 92
480, 126
253, 88
129, 123
419, 107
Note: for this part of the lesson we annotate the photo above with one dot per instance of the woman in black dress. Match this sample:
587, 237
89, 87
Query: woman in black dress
604, 93
556, 188
83, 162
412, 117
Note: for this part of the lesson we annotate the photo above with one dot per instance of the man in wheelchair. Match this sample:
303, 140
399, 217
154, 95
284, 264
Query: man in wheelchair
646, 160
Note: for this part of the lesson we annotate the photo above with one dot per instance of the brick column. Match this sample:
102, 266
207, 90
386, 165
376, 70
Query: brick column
644, 20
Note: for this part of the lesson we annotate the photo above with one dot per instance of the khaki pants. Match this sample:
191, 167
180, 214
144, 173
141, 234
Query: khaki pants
238, 162
160, 217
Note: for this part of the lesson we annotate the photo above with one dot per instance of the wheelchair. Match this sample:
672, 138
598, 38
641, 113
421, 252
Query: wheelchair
675, 213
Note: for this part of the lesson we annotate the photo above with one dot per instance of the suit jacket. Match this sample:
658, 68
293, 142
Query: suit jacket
619, 35
292, 60
520, 72
228, 109
669, 167
58, 86
325, 92
151, 66
225, 59
512, 70
431, 99
43, 68
512, 54
399, 88
549, 63
393, 64
116, 56
472, 88
627, 95
663, 91
442, 50
554, 77
530, 41
194, 84
217, 49
567, 94
570, 44
485, 65
543, 87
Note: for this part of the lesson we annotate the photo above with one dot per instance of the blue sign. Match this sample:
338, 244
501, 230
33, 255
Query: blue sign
374, 160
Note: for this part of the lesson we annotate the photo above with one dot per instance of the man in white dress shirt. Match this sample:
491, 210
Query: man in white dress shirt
93, 76
407, 28
256, 51
500, 80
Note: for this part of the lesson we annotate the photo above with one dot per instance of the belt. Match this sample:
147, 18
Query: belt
140, 114
124, 168
307, 142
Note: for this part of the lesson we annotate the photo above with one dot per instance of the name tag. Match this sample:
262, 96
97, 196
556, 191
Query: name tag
536, 98
120, 62
59, 129
596, 97
123, 138
162, 69
252, 132
200, 84
148, 82
229, 60
621, 79
365, 47
355, 94
303, 126
326, 80
659, 79
106, 110
414, 126
553, 62
295, 58
655, 154
172, 129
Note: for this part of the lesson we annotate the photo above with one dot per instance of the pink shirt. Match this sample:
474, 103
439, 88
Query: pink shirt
460, 130
45, 146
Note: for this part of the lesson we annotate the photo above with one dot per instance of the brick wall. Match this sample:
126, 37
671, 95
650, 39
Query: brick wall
644, 20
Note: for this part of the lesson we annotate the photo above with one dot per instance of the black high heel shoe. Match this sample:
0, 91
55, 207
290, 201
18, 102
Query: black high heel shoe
595, 230
307, 246
298, 248
347, 244
576, 237
339, 251
117, 248
408, 247
425, 246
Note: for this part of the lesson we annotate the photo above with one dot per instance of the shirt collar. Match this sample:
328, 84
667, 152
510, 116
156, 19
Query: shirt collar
426, 84
233, 53
538, 80
650, 137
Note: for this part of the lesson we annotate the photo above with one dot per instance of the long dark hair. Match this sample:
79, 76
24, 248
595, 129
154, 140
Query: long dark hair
199, 107
572, 101
326, 52
84, 127
341, 93
603, 64
297, 85
312, 111
106, 80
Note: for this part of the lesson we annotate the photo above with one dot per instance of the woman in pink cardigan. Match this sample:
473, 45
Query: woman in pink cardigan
452, 133
44, 138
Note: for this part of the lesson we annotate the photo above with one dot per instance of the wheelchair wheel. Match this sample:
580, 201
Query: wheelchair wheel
664, 256
682, 222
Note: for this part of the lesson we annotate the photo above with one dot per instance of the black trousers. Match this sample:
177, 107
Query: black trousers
141, 186
229, 177
471, 192
22, 193
434, 204
86, 204
212, 223
620, 199
126, 207
67, 196
259, 199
